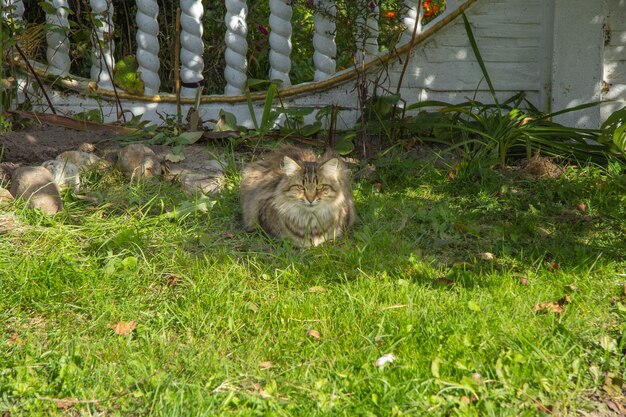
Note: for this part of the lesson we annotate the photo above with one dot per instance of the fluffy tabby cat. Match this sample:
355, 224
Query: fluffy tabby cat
294, 194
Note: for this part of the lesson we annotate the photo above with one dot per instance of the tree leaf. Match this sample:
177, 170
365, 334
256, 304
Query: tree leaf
548, 306
191, 137
344, 146
127, 77
172, 157
123, 328
226, 121
314, 334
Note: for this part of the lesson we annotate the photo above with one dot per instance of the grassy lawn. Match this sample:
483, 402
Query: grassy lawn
230, 323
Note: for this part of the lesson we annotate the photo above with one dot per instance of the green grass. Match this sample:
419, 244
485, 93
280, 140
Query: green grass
469, 344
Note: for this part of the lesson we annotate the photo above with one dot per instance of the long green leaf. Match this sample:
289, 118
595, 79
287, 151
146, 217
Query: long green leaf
251, 110
430, 103
570, 109
267, 108
479, 58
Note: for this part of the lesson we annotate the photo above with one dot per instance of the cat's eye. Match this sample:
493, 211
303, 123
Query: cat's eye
296, 188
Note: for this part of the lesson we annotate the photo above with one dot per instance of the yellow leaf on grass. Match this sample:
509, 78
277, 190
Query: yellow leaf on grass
548, 306
123, 328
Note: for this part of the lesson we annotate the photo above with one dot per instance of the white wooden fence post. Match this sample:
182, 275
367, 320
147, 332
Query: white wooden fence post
102, 53
324, 39
280, 40
192, 46
236, 47
415, 14
148, 45
58, 51
367, 29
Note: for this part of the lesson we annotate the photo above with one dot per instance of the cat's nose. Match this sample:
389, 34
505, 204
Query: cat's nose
309, 197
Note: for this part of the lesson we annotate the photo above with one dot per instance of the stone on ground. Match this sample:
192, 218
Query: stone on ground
138, 161
196, 173
36, 186
5, 196
66, 175
84, 160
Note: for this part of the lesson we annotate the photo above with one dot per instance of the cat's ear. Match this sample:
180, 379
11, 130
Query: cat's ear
331, 168
290, 167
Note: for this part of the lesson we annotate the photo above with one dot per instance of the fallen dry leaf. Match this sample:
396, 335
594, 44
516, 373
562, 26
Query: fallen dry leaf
548, 306
256, 387
582, 207
554, 266
526, 120
265, 365
553, 306
613, 384
172, 280
313, 334
615, 407
486, 256
317, 289
385, 359
443, 281
523, 281
123, 327
65, 403
378, 186
15, 340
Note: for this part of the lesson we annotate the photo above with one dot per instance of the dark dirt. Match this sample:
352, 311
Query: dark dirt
39, 143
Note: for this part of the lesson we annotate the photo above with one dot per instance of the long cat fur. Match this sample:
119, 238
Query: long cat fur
294, 194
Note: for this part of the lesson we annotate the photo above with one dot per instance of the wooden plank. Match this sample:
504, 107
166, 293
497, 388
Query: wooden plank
489, 54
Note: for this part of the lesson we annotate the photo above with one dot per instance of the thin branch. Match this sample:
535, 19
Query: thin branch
177, 70
32, 71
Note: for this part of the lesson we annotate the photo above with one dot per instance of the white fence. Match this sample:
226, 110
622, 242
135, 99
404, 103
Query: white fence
559, 52
192, 46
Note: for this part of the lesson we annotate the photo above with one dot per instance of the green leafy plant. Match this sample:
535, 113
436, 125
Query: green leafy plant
513, 128
614, 131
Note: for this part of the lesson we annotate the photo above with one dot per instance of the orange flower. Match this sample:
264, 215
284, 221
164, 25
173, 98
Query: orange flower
390, 14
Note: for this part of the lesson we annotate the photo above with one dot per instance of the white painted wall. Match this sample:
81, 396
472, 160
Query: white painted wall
577, 59
510, 36
614, 87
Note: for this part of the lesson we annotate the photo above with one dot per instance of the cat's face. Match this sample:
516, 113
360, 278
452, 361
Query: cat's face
309, 184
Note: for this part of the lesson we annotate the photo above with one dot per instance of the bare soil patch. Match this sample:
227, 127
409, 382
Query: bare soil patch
39, 143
